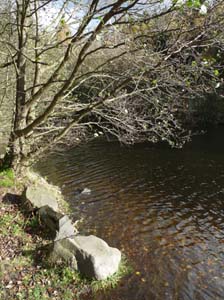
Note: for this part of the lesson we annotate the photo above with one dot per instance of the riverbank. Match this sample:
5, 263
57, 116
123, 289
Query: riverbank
24, 272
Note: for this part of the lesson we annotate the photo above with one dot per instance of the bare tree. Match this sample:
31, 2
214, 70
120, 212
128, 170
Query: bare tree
78, 68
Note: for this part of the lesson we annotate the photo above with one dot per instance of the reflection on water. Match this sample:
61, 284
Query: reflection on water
163, 207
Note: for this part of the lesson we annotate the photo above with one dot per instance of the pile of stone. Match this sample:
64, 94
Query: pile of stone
90, 255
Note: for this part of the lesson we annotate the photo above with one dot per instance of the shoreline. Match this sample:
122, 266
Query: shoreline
24, 273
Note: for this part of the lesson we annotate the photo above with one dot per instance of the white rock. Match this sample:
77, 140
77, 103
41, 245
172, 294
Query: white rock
86, 191
95, 259
203, 10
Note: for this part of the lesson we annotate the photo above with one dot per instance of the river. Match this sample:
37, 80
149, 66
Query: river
164, 208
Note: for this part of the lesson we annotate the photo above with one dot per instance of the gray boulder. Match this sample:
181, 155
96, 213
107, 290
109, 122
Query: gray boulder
36, 196
58, 224
94, 258
65, 228
62, 252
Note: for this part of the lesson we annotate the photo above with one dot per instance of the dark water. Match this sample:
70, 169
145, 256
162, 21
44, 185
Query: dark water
163, 207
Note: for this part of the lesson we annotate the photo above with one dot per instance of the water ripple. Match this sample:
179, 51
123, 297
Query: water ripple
164, 208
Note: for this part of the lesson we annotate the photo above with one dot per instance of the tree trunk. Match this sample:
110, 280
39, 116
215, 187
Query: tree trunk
15, 157
17, 145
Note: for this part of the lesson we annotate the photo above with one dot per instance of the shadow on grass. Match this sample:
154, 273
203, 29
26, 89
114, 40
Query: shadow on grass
30, 225
13, 199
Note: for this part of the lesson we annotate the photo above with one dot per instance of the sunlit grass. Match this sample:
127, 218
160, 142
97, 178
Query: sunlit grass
7, 178
64, 282
112, 281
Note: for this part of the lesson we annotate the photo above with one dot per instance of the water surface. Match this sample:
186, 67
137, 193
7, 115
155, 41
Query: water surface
164, 208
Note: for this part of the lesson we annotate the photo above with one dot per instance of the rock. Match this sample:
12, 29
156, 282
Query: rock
95, 259
66, 229
81, 191
62, 253
59, 225
33, 178
86, 191
36, 196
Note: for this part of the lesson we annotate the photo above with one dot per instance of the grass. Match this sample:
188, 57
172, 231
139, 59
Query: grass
63, 282
11, 224
112, 281
23, 271
7, 178
66, 282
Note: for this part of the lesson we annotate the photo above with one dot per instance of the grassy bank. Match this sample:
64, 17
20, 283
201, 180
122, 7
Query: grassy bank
24, 273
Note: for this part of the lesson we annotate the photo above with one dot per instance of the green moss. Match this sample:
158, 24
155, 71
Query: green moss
7, 178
